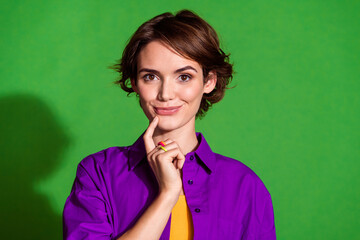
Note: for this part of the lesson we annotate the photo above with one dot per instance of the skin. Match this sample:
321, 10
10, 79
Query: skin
170, 88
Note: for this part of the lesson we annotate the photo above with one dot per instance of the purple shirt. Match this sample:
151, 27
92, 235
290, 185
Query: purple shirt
115, 186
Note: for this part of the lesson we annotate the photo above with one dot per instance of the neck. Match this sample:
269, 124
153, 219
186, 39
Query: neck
185, 137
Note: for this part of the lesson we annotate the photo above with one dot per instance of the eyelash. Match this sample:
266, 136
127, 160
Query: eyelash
189, 77
145, 77
186, 75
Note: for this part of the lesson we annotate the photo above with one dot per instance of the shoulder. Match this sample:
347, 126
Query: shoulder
237, 173
105, 155
104, 161
232, 165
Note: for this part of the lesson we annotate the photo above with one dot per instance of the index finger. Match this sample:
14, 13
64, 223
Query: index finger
148, 140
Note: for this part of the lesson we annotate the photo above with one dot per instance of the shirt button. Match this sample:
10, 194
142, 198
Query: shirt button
190, 182
197, 210
191, 157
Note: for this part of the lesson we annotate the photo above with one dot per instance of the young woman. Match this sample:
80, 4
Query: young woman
169, 184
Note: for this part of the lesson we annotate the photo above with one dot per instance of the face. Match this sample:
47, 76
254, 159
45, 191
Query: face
170, 86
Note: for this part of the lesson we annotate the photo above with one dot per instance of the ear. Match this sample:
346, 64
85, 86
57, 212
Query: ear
133, 86
211, 82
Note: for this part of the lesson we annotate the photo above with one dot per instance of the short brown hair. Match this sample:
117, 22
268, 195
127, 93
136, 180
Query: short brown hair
190, 36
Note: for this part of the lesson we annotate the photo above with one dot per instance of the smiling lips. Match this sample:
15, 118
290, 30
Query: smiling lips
166, 110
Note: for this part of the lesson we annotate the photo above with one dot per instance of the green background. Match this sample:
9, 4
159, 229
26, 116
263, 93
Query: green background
293, 116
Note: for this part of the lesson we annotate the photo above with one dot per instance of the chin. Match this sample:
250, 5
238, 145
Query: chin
168, 125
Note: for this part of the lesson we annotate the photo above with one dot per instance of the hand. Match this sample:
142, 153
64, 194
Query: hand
165, 165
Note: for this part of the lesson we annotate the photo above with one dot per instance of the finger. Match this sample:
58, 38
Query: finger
180, 160
168, 141
168, 145
148, 140
171, 155
175, 163
165, 142
151, 154
180, 163
158, 150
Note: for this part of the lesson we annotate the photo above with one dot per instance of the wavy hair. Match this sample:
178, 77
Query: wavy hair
190, 36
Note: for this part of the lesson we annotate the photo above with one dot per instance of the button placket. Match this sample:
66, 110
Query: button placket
190, 171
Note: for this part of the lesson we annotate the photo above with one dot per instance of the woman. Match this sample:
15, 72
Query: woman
169, 184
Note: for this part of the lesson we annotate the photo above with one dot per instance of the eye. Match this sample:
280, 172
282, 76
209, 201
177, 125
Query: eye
184, 77
149, 77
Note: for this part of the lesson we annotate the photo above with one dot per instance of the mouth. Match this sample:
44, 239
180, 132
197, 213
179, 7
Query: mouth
167, 110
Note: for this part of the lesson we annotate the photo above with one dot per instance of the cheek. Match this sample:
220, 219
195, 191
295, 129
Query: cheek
146, 94
192, 93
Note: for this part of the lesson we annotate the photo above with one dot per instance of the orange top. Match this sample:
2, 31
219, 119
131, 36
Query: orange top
181, 221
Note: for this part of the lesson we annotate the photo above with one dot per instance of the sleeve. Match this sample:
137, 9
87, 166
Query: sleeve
267, 228
85, 213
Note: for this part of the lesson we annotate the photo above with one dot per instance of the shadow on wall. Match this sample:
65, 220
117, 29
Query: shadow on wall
31, 143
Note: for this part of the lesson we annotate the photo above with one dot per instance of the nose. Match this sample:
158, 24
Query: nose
167, 91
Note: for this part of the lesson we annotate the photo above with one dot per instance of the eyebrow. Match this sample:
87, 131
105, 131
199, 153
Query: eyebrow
176, 71
185, 68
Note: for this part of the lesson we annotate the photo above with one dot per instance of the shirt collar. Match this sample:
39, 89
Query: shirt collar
204, 153
137, 152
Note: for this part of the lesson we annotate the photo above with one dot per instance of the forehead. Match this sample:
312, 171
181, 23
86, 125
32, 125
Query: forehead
157, 55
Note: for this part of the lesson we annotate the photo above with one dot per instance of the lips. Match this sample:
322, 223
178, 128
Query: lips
167, 110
